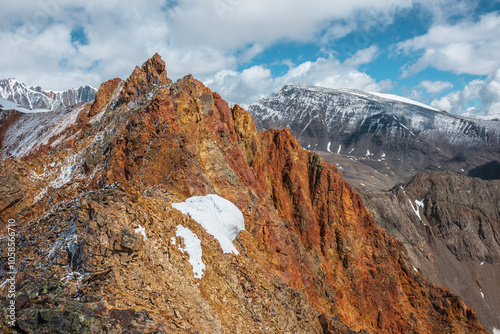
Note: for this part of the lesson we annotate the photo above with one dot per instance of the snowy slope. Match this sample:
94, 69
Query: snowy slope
219, 217
36, 98
9, 105
34, 129
403, 100
388, 126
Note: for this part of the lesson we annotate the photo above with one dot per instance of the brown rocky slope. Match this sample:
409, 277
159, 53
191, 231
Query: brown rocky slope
311, 258
454, 239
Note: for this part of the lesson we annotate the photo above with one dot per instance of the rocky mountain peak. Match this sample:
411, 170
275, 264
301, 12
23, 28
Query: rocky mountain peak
104, 95
151, 73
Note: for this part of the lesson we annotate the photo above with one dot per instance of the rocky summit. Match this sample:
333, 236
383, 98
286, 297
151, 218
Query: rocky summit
103, 245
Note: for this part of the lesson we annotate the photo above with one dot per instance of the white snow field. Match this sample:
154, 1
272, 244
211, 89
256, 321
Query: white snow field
218, 216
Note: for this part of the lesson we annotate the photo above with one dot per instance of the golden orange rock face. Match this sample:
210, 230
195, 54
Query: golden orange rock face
151, 73
104, 96
310, 247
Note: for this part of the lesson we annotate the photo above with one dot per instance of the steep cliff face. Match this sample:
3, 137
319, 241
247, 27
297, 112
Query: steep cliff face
96, 221
450, 225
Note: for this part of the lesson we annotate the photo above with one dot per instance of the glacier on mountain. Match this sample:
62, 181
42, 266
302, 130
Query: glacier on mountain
9, 105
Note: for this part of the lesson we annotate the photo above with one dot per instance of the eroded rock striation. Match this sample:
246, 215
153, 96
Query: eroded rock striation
99, 248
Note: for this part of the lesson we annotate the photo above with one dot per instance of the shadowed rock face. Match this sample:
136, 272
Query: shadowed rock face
312, 259
489, 171
454, 239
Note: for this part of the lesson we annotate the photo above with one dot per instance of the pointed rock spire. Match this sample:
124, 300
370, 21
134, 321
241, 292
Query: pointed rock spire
152, 73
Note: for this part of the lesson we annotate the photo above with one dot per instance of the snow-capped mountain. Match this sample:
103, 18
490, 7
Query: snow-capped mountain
379, 127
37, 98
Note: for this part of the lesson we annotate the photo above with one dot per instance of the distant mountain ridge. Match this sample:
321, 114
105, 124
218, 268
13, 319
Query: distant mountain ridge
37, 98
379, 127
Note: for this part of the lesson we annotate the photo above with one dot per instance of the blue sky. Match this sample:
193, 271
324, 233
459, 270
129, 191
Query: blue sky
445, 53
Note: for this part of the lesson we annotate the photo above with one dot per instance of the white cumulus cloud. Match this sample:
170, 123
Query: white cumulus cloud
193, 36
256, 82
471, 47
486, 92
434, 87
218, 41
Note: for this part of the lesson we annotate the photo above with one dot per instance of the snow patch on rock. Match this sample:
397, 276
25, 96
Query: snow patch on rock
218, 216
415, 208
193, 248
73, 276
141, 230
420, 203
